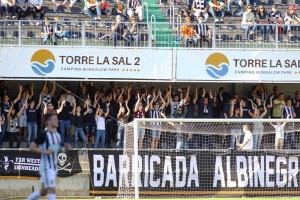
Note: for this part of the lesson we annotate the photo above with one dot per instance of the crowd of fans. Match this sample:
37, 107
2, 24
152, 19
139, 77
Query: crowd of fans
255, 18
98, 114
17, 9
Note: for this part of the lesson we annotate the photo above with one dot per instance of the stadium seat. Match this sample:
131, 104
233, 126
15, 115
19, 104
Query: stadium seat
290, 2
66, 22
76, 34
102, 36
238, 37
225, 37
48, 9
217, 37
15, 34
231, 25
89, 36
61, 9
144, 37
2, 34
32, 35
76, 10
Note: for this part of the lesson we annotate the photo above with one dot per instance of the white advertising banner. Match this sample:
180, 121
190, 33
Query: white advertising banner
241, 66
94, 63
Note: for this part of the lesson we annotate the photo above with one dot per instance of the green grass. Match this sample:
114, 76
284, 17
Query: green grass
212, 198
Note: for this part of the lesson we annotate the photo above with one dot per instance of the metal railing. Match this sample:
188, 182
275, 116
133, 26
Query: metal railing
172, 14
152, 29
147, 11
150, 35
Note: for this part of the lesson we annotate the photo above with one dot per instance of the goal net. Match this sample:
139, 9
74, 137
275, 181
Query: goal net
188, 158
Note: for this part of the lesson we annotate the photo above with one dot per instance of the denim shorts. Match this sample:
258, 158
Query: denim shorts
155, 134
89, 128
141, 133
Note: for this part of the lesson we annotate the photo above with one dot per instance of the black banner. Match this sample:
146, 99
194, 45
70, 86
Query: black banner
197, 172
18, 164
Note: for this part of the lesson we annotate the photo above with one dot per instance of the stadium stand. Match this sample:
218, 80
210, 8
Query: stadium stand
161, 26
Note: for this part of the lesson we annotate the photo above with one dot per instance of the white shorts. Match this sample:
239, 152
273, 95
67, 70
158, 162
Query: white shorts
48, 178
22, 121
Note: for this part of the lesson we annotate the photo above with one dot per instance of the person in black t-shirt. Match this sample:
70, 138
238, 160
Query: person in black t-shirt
89, 122
5, 107
111, 126
64, 118
118, 30
31, 113
245, 108
78, 118
13, 130
297, 110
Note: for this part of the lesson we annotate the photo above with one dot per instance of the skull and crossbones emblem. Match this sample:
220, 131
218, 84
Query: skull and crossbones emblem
62, 159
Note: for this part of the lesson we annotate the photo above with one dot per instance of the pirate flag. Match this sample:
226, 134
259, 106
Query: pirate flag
68, 163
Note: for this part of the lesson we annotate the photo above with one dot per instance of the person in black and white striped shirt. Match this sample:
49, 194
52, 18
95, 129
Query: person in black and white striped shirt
203, 33
48, 145
289, 136
200, 9
155, 113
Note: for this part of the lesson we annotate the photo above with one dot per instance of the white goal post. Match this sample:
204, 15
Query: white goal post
168, 176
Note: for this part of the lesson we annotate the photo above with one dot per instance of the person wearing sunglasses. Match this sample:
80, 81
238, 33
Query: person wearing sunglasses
262, 20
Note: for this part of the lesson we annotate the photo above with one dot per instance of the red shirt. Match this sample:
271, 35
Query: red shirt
140, 114
104, 6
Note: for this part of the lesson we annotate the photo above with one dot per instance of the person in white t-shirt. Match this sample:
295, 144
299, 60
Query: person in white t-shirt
101, 131
248, 139
279, 134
